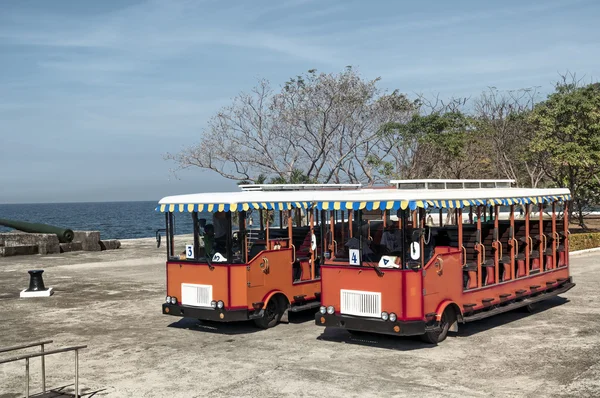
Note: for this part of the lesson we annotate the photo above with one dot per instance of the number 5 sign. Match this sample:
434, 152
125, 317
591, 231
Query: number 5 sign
354, 257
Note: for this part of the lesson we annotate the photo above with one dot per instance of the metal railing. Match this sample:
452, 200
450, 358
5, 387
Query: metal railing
42, 354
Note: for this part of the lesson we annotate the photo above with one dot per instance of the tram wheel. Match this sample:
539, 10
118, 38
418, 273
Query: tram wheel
272, 315
441, 334
530, 308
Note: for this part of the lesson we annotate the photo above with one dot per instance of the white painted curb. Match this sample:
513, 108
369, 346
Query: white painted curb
585, 251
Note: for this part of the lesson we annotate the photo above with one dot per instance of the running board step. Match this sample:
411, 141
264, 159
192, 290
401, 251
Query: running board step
522, 303
303, 307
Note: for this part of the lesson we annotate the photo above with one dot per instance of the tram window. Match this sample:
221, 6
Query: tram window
181, 232
436, 185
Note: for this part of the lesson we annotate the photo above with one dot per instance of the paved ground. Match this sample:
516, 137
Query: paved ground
111, 302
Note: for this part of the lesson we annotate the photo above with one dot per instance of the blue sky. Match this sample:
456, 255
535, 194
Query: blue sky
93, 93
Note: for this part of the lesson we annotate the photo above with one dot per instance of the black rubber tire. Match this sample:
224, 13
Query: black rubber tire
272, 315
530, 308
446, 321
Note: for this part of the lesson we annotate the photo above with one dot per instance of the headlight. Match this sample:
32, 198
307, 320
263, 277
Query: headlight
330, 310
173, 300
220, 304
168, 300
393, 317
213, 304
384, 316
323, 310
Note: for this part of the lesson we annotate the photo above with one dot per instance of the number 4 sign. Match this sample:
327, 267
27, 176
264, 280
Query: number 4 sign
354, 257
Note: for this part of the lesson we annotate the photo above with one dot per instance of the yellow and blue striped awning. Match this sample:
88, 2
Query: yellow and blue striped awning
440, 204
358, 205
215, 207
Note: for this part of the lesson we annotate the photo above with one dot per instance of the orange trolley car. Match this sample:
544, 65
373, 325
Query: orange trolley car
228, 268
434, 253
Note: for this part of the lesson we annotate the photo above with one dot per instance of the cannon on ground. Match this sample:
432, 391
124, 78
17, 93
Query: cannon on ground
64, 235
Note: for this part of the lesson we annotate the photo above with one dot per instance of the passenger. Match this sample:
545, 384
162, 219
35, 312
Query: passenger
221, 226
209, 240
391, 240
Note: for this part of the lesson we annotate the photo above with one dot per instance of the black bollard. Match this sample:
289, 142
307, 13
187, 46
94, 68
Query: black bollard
36, 282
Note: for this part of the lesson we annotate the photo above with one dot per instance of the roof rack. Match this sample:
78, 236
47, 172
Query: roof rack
296, 187
451, 184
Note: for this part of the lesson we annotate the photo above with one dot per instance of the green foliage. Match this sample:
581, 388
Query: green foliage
584, 241
567, 136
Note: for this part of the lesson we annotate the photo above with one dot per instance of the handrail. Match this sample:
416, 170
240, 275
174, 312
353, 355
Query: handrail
21, 347
482, 252
544, 240
530, 244
464, 249
43, 354
515, 246
499, 249
294, 253
39, 354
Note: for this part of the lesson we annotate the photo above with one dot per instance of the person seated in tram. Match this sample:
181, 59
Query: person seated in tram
391, 240
211, 244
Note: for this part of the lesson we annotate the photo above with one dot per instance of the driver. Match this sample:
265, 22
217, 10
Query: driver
209, 240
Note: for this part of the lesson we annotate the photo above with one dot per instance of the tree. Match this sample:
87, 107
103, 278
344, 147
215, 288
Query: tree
567, 136
441, 144
501, 119
317, 128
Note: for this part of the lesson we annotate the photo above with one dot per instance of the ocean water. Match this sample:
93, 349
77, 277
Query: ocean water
114, 220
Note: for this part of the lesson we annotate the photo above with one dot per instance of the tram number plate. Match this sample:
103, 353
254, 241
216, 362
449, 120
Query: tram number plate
354, 257
189, 251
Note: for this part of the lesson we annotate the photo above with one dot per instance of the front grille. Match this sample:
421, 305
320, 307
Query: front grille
196, 295
360, 303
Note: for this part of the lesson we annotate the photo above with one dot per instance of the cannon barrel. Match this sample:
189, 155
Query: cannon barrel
64, 235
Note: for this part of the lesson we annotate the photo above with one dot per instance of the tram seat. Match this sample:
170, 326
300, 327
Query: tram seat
535, 260
296, 271
520, 265
488, 272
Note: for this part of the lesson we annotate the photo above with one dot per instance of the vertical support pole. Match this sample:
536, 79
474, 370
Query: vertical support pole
542, 245
267, 243
290, 232
470, 214
281, 219
243, 235
422, 239
479, 254
554, 237
312, 252
360, 234
527, 240
27, 377
77, 373
43, 369
566, 231
441, 218
498, 245
350, 220
460, 241
513, 247
384, 219
228, 238
332, 230
343, 241
262, 221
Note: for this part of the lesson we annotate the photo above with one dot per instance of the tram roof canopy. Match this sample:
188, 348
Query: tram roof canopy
366, 198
